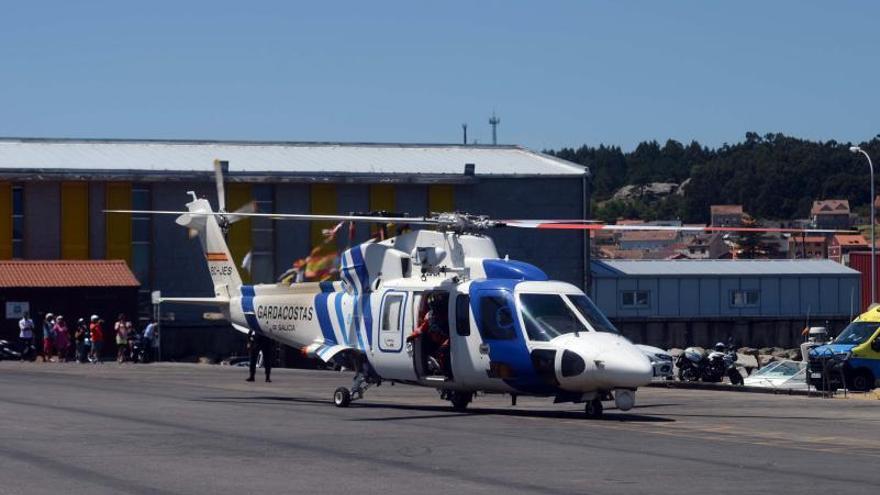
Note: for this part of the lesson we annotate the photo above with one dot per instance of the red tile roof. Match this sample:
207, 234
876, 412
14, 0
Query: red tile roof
851, 240
66, 273
726, 209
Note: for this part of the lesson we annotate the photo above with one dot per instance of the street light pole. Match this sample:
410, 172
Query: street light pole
856, 149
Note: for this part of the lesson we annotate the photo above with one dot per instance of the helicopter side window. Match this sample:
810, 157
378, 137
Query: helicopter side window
463, 315
391, 313
496, 318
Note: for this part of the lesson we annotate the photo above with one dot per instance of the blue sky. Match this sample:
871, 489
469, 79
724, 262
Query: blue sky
557, 73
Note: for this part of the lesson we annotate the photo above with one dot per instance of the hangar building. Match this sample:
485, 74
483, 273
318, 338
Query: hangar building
53, 191
699, 302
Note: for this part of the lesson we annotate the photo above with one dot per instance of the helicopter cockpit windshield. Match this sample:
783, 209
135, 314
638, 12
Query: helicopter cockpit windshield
547, 316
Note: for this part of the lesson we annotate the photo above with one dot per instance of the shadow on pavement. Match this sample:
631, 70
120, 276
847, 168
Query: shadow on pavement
447, 412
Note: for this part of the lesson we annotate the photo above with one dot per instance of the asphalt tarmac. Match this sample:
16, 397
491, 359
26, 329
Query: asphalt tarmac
175, 429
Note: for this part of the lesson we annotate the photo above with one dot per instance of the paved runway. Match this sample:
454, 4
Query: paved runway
173, 429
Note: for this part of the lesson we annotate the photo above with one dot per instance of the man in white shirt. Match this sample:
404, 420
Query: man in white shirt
26, 335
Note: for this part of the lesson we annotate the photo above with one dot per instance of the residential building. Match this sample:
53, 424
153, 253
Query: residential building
811, 246
726, 215
831, 214
647, 239
842, 244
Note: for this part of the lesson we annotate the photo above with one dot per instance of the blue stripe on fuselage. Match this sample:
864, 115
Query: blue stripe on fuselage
339, 318
247, 307
324, 318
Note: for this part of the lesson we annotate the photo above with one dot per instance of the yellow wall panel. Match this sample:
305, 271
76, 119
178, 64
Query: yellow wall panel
75, 220
5, 220
117, 196
440, 198
382, 197
239, 238
323, 200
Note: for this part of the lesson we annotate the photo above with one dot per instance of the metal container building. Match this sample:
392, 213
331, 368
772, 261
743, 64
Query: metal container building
757, 302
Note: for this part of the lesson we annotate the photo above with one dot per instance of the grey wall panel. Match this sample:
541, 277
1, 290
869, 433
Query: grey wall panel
97, 221
411, 199
770, 302
291, 238
709, 296
789, 296
606, 296
42, 220
668, 297
848, 297
689, 297
353, 198
828, 296
558, 253
809, 296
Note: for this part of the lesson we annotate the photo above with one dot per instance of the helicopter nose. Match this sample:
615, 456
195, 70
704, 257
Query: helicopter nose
597, 361
624, 369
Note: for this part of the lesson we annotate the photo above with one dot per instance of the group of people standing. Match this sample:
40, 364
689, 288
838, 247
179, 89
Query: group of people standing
83, 341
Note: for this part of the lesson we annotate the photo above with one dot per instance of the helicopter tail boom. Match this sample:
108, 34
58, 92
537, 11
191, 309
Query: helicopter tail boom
224, 274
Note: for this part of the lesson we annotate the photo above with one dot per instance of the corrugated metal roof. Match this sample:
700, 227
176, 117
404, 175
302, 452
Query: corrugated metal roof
743, 268
66, 273
331, 158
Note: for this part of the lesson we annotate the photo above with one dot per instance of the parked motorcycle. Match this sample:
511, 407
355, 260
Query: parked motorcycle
694, 365
721, 362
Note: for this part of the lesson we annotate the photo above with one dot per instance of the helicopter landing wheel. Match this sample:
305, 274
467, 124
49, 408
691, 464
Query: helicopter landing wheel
593, 409
342, 397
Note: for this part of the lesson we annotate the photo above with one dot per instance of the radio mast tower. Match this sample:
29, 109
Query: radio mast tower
494, 121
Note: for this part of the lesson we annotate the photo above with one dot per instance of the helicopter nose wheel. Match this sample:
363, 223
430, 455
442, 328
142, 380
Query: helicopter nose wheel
342, 397
593, 409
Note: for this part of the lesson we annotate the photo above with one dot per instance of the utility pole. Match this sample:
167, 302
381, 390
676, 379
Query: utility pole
494, 121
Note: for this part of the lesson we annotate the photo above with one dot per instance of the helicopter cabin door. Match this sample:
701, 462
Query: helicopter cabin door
389, 357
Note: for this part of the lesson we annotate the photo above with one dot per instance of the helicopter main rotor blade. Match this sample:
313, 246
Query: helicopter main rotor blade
583, 225
292, 216
218, 180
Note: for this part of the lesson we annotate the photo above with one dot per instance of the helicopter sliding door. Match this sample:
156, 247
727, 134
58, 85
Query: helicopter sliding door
470, 358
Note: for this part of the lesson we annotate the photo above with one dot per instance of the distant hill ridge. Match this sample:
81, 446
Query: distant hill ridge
772, 176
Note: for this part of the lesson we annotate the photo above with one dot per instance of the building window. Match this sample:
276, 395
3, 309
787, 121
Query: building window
631, 299
744, 298
17, 222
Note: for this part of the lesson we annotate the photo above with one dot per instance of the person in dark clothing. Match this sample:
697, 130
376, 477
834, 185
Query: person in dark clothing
257, 344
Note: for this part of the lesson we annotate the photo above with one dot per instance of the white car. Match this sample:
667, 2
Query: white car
660, 360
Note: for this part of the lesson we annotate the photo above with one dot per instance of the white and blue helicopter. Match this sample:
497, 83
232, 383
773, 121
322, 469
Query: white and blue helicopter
504, 327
